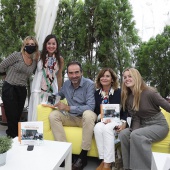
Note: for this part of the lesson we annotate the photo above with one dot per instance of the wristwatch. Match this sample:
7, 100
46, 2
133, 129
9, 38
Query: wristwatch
123, 121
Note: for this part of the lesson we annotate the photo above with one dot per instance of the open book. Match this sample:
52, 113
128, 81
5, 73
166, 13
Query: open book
30, 133
110, 111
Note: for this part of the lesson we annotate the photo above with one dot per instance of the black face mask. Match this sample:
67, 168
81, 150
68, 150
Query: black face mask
30, 49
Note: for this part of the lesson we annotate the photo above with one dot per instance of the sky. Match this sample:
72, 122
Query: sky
151, 16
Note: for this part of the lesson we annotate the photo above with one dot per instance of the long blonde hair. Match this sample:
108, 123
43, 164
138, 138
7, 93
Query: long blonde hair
139, 86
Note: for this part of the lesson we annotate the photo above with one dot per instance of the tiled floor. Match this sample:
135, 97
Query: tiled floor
92, 162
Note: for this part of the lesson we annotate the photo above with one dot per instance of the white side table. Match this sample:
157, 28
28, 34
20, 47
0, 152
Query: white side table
160, 161
47, 156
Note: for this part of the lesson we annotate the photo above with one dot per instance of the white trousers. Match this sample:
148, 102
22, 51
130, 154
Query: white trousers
105, 140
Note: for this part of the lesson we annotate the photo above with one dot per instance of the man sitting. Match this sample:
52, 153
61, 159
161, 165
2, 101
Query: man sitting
79, 93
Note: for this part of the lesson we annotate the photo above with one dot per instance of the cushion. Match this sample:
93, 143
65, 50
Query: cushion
164, 145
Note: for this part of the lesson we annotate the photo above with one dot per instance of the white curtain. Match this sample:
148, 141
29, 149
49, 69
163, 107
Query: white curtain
46, 12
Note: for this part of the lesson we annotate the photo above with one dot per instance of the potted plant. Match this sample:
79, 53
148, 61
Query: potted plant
5, 145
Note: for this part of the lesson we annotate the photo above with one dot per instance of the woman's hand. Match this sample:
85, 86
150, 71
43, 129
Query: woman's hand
120, 127
107, 121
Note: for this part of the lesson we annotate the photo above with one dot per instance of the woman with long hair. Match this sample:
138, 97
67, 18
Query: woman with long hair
48, 76
148, 124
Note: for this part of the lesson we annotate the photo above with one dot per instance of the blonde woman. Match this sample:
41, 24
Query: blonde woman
148, 123
17, 67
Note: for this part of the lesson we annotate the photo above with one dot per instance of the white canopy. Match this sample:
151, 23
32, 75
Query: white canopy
46, 12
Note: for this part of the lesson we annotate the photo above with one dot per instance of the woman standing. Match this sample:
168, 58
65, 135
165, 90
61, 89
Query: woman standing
48, 74
107, 93
18, 67
148, 123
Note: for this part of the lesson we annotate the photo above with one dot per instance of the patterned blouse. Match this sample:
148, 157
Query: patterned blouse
51, 68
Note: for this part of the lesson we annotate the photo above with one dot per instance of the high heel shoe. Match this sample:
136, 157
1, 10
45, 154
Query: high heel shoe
100, 166
107, 166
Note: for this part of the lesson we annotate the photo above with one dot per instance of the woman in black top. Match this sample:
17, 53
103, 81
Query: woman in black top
107, 93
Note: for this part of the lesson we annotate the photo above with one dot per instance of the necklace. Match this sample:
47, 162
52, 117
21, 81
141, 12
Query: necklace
105, 97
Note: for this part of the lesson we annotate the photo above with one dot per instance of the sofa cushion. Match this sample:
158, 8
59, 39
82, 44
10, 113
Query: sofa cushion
164, 145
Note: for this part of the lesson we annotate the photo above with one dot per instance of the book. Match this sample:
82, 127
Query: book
30, 133
110, 111
49, 100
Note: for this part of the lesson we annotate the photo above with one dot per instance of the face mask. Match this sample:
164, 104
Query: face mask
30, 49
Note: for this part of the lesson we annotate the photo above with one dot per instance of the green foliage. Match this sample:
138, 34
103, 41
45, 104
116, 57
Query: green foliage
153, 61
98, 33
17, 20
5, 144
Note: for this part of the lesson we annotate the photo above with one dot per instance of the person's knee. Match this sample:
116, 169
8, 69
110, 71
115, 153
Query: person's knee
122, 134
53, 115
134, 135
109, 129
98, 128
89, 116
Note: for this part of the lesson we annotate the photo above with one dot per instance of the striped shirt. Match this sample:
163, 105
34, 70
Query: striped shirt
17, 72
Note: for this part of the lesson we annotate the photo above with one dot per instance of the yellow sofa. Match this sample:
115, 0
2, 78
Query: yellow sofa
74, 134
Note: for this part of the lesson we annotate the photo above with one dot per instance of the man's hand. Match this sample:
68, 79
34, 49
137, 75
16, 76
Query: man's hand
62, 106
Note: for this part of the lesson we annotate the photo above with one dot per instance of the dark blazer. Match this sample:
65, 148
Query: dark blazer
113, 99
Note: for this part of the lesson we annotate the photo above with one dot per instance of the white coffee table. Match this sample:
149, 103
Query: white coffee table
160, 161
47, 156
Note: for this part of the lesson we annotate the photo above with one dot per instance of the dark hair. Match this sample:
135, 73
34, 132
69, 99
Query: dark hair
115, 82
74, 63
44, 51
